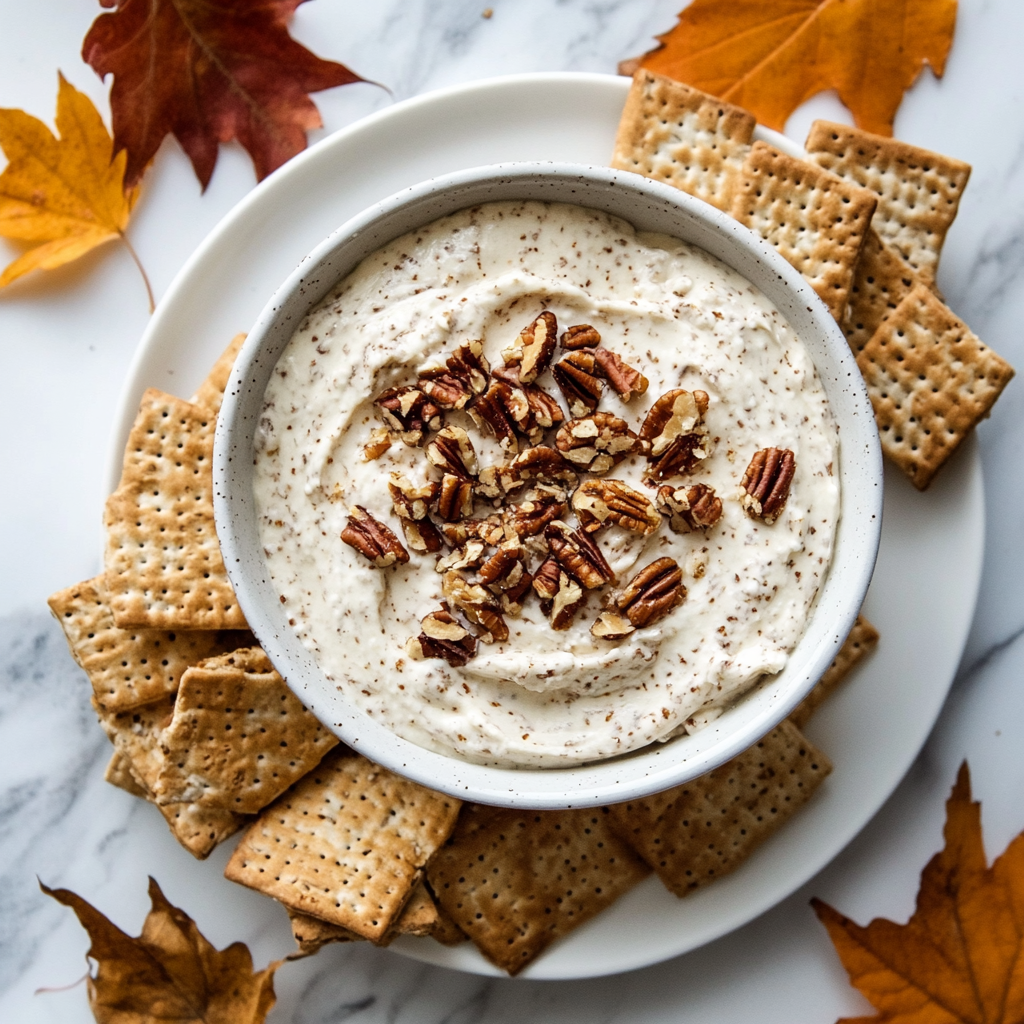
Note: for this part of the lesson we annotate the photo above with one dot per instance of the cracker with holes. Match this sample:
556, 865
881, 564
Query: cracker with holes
419, 917
881, 281
700, 831
679, 135
238, 737
129, 667
930, 380
918, 191
135, 734
814, 219
211, 392
515, 881
163, 564
347, 844
863, 639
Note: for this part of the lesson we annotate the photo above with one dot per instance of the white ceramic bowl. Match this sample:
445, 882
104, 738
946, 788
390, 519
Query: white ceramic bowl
650, 206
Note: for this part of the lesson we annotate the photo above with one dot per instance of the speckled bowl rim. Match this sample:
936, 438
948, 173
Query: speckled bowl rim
648, 205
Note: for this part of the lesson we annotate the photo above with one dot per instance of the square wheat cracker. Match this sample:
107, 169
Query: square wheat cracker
163, 563
815, 220
919, 191
515, 881
705, 829
238, 737
679, 135
930, 380
211, 392
346, 844
863, 639
129, 667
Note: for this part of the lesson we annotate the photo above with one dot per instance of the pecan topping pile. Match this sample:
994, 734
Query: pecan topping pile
554, 467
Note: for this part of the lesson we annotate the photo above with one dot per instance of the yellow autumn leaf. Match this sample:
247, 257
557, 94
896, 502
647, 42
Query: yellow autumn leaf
67, 194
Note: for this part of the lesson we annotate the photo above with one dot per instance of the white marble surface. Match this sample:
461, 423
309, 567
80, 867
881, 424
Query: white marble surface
66, 339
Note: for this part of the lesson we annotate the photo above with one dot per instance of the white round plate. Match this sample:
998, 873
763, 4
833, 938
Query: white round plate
872, 729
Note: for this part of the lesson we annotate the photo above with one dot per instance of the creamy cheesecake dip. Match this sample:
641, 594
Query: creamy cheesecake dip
536, 489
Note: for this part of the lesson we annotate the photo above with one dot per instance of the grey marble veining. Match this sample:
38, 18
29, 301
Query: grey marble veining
67, 340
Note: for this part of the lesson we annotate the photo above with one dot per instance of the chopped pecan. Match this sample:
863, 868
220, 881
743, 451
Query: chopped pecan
545, 581
626, 381
463, 375
492, 531
409, 412
696, 507
380, 441
767, 481
477, 604
373, 539
581, 336
652, 593
455, 498
541, 506
578, 555
531, 351
568, 600
422, 536
611, 626
597, 502
442, 637
597, 442
468, 556
410, 501
494, 409
489, 482
576, 378
538, 463
452, 452
673, 435
504, 570
512, 599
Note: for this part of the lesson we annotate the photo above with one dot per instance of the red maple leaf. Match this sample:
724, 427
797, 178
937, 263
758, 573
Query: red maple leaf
208, 71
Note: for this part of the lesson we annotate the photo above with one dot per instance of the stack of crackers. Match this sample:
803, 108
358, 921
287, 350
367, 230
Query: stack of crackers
206, 729
863, 218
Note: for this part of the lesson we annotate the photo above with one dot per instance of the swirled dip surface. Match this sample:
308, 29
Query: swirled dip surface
546, 698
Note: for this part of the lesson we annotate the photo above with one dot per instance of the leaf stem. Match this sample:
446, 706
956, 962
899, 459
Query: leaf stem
142, 270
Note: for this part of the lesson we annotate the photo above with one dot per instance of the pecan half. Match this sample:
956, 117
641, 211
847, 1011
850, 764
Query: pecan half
598, 502
538, 413
373, 539
576, 378
464, 374
410, 501
545, 581
611, 626
578, 555
408, 412
452, 452
442, 637
673, 434
568, 600
539, 463
455, 498
581, 336
532, 350
477, 604
380, 441
597, 442
504, 570
541, 506
626, 381
493, 409
696, 507
652, 593
767, 481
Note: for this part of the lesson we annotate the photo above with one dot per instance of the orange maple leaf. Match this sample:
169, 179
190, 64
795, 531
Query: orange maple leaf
770, 57
960, 957
170, 972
